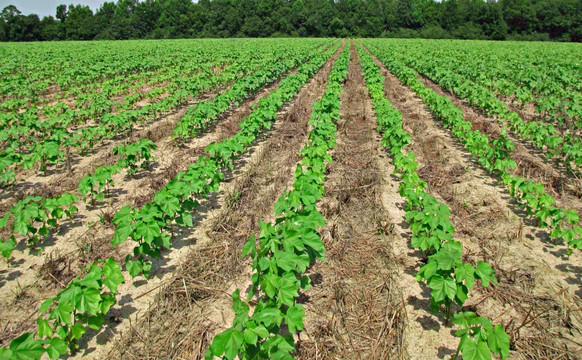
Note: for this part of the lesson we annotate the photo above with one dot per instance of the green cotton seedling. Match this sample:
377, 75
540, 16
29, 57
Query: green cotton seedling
450, 279
82, 305
563, 224
7, 174
132, 154
43, 153
33, 217
479, 338
501, 149
96, 186
430, 225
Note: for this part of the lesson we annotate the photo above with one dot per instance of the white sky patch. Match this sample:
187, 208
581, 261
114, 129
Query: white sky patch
47, 7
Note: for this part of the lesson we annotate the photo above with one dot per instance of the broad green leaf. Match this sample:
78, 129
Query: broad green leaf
442, 288
485, 273
106, 303
77, 331
228, 343
89, 301
448, 255
269, 316
249, 247
44, 307
95, 322
122, 232
294, 318
113, 275
7, 246
134, 267
56, 348
44, 329
475, 351
26, 347
498, 341
63, 312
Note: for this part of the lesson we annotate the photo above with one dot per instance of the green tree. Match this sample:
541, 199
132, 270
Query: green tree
49, 30
336, 26
408, 14
451, 16
9, 12
79, 23
175, 18
253, 26
62, 13
519, 15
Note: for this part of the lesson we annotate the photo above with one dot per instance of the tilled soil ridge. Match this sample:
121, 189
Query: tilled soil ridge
355, 309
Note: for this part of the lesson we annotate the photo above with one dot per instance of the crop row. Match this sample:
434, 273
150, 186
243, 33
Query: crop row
549, 79
86, 300
286, 248
205, 113
34, 216
446, 274
493, 155
118, 92
567, 148
76, 69
52, 141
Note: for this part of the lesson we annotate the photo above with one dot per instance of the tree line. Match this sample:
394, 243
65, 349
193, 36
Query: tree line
559, 20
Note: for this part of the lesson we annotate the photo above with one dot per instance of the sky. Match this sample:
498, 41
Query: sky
47, 7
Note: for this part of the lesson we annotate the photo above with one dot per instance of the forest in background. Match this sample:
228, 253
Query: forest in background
558, 20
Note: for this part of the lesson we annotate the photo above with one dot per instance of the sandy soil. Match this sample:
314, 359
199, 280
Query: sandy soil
537, 280
197, 297
356, 309
365, 303
85, 238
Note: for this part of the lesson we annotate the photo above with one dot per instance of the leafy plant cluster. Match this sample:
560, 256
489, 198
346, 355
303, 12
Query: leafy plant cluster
448, 276
286, 248
82, 305
493, 155
565, 147
151, 227
548, 78
133, 156
99, 74
86, 300
33, 218
53, 146
205, 113
31, 140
